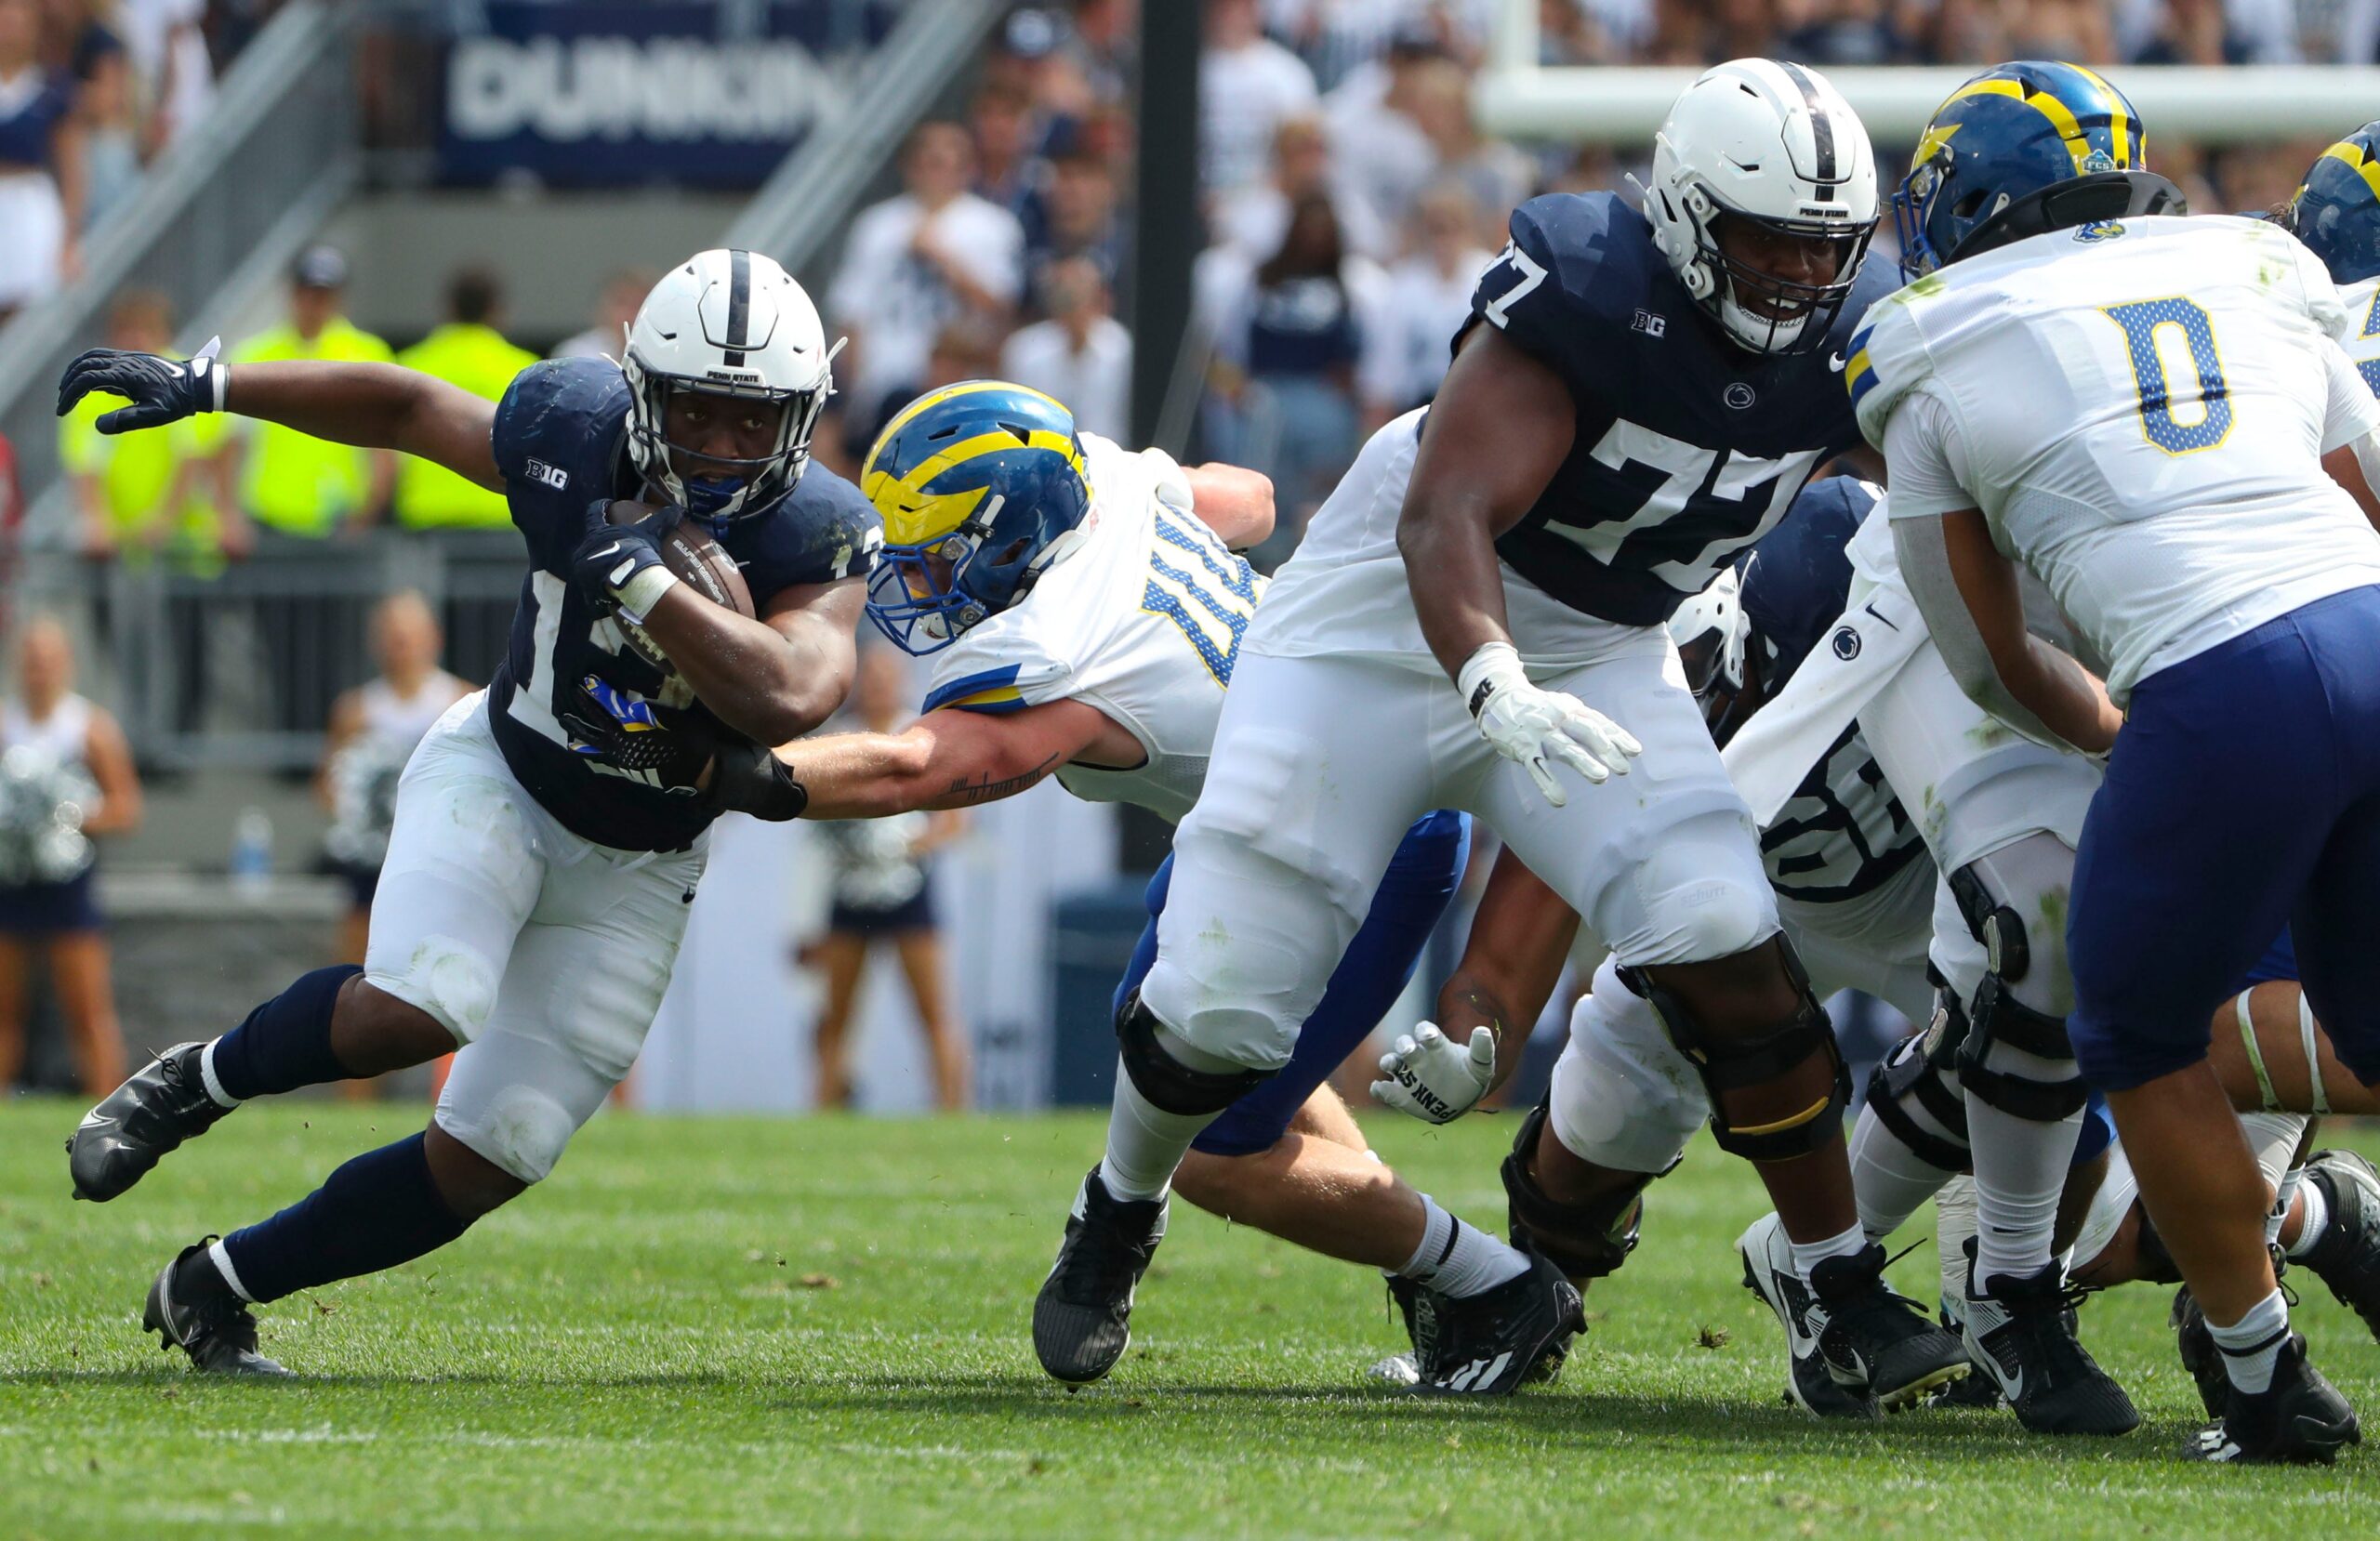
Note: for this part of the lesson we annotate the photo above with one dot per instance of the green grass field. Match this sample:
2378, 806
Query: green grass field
728, 1327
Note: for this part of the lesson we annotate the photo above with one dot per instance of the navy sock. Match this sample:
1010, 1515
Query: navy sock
285, 1043
378, 1211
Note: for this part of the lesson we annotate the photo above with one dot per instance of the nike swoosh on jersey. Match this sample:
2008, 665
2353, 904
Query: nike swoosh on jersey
1834, 362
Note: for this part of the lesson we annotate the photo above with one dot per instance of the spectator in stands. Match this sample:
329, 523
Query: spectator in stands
373, 731
466, 350
1102, 45
1253, 218
40, 165
1428, 300
1384, 157
56, 728
1286, 352
1835, 32
1083, 219
106, 105
1081, 355
1010, 171
916, 263
170, 67
158, 495
883, 892
1248, 85
1499, 175
299, 489
615, 309
2210, 32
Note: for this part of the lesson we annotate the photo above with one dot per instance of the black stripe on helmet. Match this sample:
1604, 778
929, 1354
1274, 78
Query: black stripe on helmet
1821, 130
739, 306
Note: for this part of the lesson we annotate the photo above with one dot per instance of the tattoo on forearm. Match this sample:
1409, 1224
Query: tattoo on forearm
967, 792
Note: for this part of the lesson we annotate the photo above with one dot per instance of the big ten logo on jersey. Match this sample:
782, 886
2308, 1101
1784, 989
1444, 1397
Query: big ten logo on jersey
1843, 833
1198, 584
1698, 507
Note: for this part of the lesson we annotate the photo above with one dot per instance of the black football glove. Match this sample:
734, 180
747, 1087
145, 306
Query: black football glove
621, 728
746, 778
161, 390
619, 567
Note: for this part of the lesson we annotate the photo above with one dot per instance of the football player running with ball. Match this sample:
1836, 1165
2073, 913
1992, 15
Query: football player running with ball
1083, 609
551, 829
2154, 416
1475, 620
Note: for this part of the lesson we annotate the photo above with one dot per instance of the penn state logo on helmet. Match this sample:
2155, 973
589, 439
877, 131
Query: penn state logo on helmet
981, 487
733, 327
2336, 209
1773, 147
2018, 150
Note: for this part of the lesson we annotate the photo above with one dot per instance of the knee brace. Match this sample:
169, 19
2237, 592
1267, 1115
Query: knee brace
1170, 1084
1730, 1064
1585, 1240
1998, 1017
1912, 1077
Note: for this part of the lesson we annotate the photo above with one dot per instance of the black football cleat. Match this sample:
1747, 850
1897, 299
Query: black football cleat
2299, 1420
1490, 1343
1768, 1272
2346, 1257
191, 1309
2200, 1356
1972, 1392
1878, 1341
2021, 1332
1082, 1318
134, 1126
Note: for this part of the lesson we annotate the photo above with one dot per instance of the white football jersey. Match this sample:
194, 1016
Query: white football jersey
1142, 620
2138, 409
2360, 335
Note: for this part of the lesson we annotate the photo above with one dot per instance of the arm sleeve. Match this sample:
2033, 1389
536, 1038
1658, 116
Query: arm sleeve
1927, 458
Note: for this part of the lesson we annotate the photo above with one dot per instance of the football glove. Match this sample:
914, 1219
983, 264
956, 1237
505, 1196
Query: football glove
1534, 726
161, 390
621, 728
747, 778
619, 567
1434, 1078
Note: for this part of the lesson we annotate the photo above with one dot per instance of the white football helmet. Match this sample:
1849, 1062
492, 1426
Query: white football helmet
1774, 145
727, 324
1711, 631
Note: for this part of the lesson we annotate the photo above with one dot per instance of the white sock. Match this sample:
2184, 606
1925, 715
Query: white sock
1145, 1143
1809, 1255
1458, 1259
2020, 1169
214, 1091
1953, 1223
2313, 1219
1890, 1182
2251, 1344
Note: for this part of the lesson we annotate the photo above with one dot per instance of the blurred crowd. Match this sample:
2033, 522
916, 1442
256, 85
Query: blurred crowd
1349, 202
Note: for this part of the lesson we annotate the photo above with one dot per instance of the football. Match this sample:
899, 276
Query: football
699, 561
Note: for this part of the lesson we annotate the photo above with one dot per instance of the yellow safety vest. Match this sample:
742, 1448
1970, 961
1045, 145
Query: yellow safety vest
479, 361
137, 472
293, 481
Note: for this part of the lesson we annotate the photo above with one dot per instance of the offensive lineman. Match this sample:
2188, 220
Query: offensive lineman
2124, 403
1647, 394
551, 829
1083, 609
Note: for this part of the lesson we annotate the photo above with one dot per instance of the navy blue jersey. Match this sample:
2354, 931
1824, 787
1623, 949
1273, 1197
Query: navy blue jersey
1843, 833
1689, 448
560, 441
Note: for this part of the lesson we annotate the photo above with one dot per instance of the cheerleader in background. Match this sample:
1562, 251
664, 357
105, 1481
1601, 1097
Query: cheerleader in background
66, 775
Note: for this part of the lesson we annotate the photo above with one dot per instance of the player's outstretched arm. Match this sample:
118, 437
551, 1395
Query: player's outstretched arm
1974, 610
775, 678
379, 406
950, 758
1520, 937
1232, 501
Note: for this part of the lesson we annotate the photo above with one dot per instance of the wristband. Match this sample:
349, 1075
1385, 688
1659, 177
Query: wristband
1494, 667
641, 593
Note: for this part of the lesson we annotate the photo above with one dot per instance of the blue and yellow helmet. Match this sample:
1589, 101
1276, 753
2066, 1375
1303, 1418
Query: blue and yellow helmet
2022, 149
2336, 211
981, 487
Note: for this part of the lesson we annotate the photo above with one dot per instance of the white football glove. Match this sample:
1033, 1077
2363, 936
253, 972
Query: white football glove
1434, 1078
1534, 726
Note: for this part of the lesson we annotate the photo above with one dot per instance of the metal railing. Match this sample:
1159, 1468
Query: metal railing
277, 153
239, 669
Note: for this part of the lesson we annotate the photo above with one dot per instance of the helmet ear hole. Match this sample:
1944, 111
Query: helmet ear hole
1971, 204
